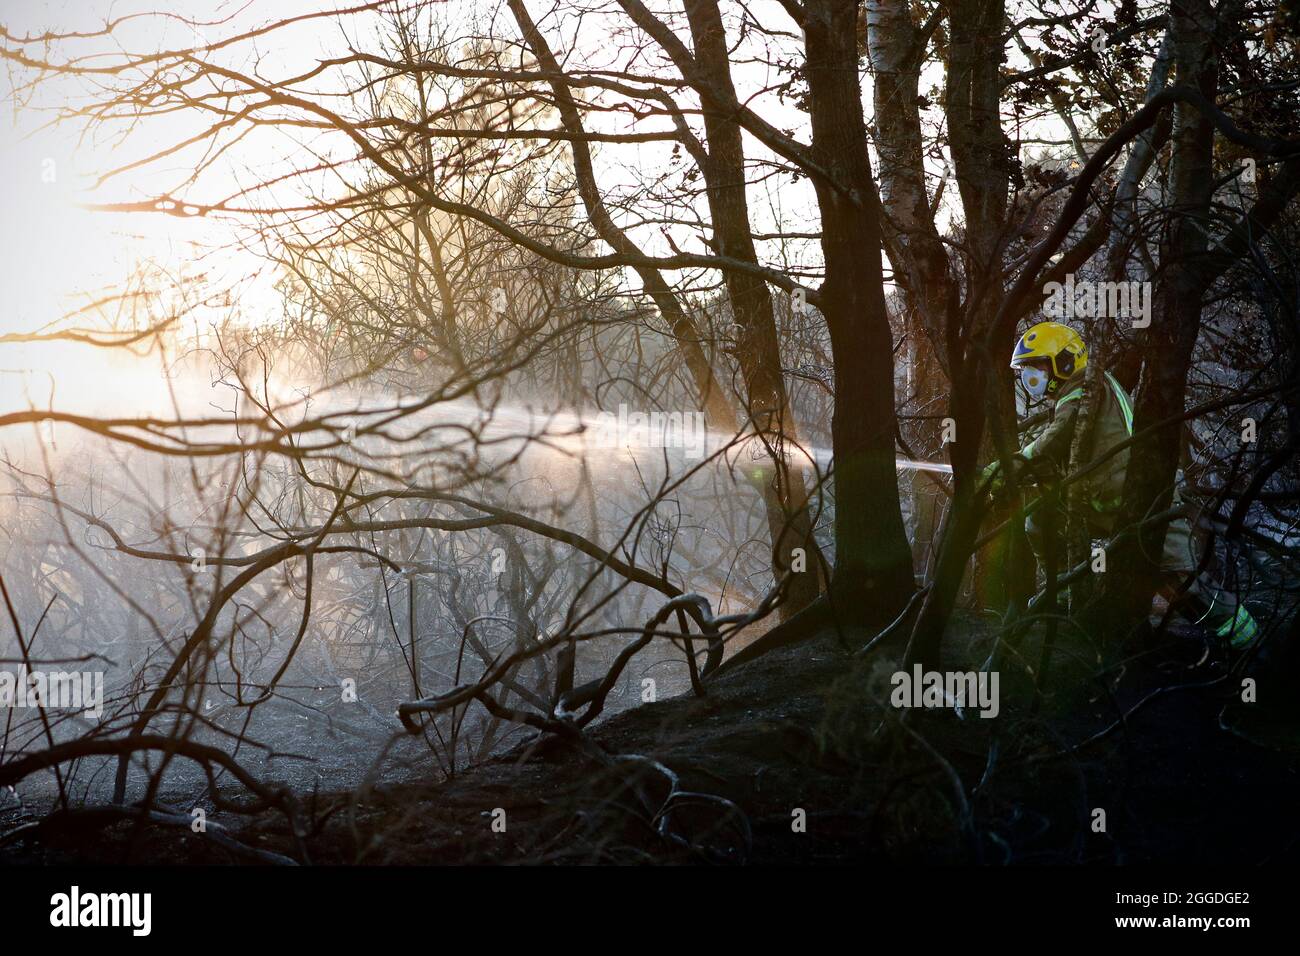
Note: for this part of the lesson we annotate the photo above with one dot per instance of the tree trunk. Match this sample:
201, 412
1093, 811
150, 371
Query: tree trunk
1149, 483
784, 497
912, 240
758, 352
972, 105
873, 562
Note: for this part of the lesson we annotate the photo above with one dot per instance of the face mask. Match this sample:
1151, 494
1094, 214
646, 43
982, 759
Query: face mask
1035, 382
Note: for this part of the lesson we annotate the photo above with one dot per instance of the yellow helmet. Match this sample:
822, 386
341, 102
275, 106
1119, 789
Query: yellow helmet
1057, 344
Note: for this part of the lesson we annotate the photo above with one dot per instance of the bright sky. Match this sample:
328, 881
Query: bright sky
56, 257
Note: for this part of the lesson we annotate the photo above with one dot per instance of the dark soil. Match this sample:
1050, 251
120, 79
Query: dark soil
805, 735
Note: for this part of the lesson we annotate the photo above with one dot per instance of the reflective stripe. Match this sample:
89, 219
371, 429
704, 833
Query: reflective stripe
1125, 403
1121, 396
1241, 626
1077, 393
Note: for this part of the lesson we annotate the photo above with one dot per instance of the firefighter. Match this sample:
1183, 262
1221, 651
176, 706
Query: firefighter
1051, 358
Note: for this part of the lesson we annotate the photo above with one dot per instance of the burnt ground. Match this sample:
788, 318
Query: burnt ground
1194, 776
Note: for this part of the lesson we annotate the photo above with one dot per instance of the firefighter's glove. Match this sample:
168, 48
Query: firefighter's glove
994, 478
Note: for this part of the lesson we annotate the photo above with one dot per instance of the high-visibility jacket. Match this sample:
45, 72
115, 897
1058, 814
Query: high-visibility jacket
1105, 486
1205, 602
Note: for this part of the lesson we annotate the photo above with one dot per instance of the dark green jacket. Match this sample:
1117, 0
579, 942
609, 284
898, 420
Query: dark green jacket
1104, 486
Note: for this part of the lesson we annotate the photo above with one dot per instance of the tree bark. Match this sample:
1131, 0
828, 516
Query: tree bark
978, 396
895, 50
758, 352
873, 565
785, 505
1180, 289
